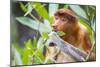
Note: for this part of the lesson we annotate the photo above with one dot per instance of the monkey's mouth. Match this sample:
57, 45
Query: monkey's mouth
54, 29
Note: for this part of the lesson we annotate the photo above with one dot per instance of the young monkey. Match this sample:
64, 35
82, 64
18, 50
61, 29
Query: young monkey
65, 20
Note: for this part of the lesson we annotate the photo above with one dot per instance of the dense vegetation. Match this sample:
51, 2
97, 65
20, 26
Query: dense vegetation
32, 51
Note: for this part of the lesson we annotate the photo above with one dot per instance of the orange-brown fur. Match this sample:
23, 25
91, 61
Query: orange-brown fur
75, 33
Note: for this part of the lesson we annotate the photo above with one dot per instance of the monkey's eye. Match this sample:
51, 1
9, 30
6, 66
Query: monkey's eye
63, 19
56, 18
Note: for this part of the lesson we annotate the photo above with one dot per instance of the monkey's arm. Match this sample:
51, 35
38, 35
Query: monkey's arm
75, 53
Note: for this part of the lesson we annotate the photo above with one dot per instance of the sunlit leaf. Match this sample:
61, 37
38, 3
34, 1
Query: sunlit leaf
44, 35
41, 10
27, 52
37, 60
23, 7
40, 54
28, 44
60, 33
51, 20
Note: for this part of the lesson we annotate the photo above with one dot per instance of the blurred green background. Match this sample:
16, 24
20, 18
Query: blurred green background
31, 23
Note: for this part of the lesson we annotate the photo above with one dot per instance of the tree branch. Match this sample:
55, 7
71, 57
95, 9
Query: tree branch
75, 53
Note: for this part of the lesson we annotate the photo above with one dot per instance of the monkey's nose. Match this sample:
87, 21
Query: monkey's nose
54, 27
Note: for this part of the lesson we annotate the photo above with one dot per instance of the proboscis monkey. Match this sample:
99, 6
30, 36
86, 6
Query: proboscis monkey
75, 33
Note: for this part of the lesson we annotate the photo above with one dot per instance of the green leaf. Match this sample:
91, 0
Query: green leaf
34, 43
44, 35
79, 11
41, 10
66, 6
85, 24
37, 60
39, 43
28, 44
23, 7
40, 54
27, 52
29, 9
60, 33
50, 61
33, 24
51, 20
53, 8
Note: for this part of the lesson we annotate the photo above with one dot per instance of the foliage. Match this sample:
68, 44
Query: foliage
32, 52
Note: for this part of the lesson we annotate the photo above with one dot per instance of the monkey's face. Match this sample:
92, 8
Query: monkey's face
61, 23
